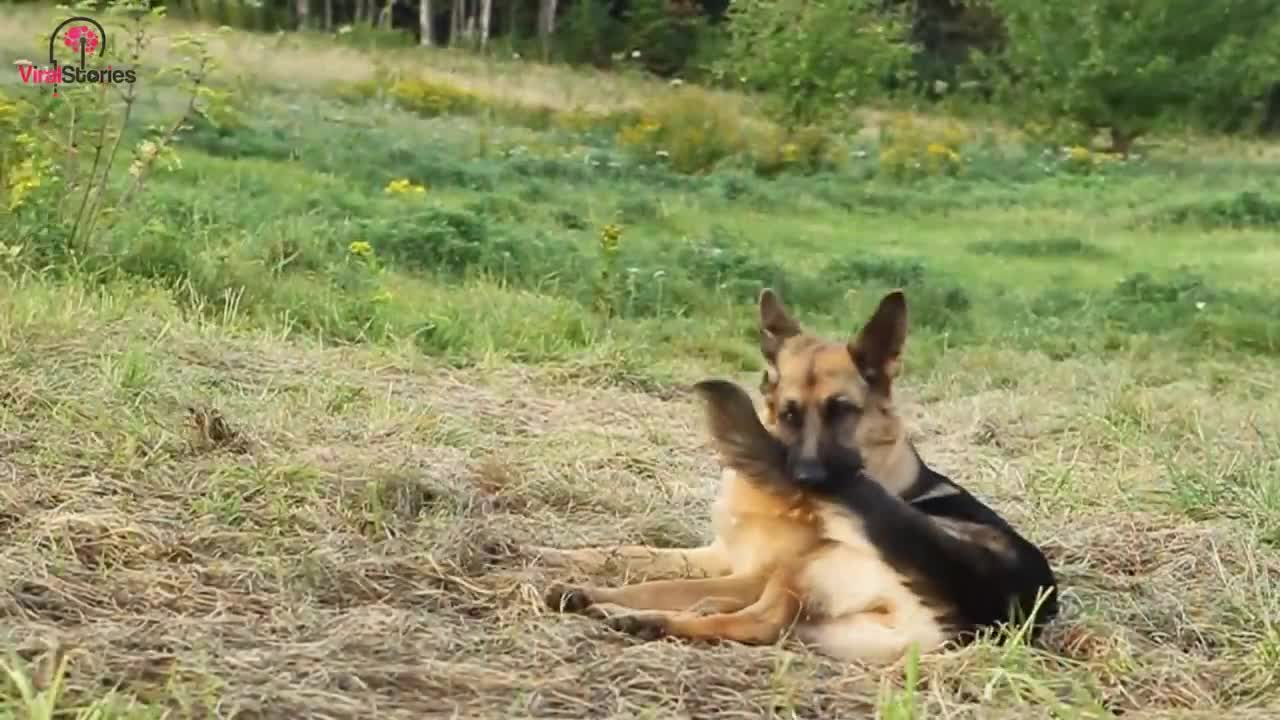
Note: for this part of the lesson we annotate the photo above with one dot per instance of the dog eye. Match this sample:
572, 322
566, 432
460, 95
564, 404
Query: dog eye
791, 416
840, 407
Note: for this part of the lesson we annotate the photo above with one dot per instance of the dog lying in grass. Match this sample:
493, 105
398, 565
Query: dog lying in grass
827, 520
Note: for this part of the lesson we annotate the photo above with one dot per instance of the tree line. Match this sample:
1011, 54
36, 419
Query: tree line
1122, 65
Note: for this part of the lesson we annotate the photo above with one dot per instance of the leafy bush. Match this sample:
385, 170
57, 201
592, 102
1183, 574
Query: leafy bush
1247, 208
430, 99
666, 36
57, 195
588, 33
805, 150
1080, 160
720, 264
689, 130
937, 301
909, 149
816, 57
1125, 66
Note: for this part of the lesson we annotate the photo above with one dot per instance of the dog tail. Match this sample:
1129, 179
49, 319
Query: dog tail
743, 443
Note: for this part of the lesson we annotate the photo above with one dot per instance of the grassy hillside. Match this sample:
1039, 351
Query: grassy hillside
445, 304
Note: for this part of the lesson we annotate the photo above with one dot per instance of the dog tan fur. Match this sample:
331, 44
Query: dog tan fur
781, 558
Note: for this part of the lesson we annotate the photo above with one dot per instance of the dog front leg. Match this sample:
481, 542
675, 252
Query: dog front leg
638, 560
760, 623
724, 594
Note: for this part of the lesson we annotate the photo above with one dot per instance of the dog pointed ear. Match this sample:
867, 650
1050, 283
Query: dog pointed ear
776, 325
742, 441
877, 348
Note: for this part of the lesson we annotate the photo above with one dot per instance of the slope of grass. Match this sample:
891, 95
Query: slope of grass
258, 445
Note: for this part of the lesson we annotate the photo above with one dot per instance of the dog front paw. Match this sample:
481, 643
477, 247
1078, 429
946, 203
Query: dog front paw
567, 598
641, 625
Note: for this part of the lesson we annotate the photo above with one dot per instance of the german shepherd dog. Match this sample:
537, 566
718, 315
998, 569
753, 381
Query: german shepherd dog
827, 521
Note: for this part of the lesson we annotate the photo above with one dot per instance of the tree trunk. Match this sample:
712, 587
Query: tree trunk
546, 25
512, 19
328, 15
424, 23
1271, 111
469, 29
455, 22
304, 12
486, 11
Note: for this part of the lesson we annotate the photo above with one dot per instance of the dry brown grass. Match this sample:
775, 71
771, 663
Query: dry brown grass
289, 60
321, 552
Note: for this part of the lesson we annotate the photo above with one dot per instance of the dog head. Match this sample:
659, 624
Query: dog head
746, 445
830, 402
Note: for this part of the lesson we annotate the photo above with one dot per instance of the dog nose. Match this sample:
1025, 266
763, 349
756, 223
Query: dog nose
810, 472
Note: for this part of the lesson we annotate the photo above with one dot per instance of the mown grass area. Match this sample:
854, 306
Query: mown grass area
453, 315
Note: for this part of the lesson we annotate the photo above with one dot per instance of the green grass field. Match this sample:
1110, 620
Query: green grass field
412, 376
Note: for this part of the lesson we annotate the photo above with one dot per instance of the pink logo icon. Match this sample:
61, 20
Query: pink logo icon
78, 34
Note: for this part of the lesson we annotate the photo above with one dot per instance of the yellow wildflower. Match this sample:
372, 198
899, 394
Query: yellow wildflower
610, 238
360, 248
24, 180
404, 186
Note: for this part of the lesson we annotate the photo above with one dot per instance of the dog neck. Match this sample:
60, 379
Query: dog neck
901, 470
927, 483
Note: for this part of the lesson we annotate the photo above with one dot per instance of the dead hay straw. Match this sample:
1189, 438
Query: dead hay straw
340, 564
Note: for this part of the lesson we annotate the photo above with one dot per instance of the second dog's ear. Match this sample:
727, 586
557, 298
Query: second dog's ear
776, 325
877, 348
739, 437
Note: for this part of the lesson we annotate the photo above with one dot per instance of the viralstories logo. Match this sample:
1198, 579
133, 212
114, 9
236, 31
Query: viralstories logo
76, 48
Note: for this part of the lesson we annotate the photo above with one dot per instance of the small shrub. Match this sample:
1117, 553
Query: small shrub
806, 150
638, 208
814, 59
1245, 209
433, 239
1080, 160
909, 150
1182, 287
666, 35
569, 220
431, 99
358, 91
606, 290
936, 300
1128, 66
22, 169
721, 265
1185, 303
688, 129
499, 207
576, 121
56, 200
872, 270
734, 186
